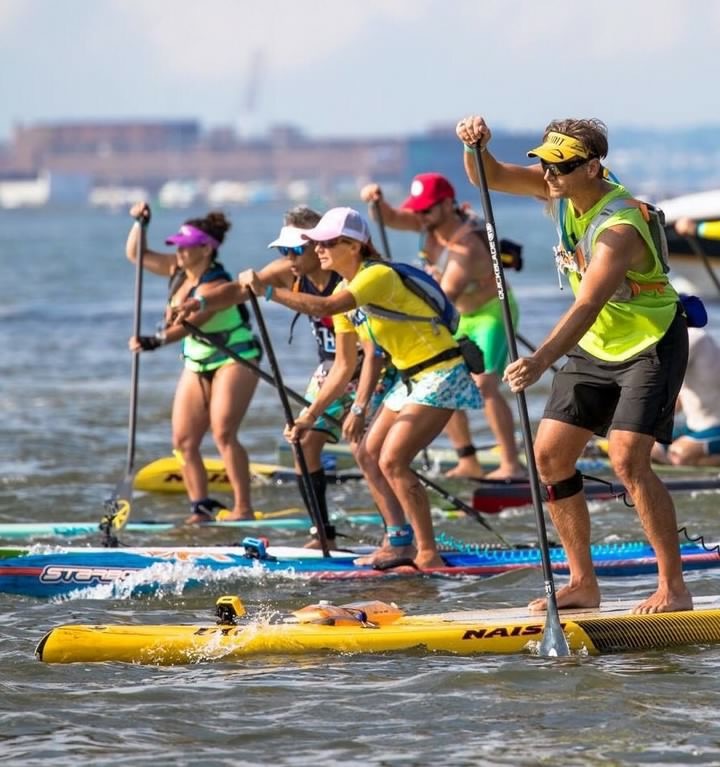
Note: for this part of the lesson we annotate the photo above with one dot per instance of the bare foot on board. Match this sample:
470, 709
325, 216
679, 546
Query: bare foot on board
385, 555
466, 468
512, 472
582, 595
314, 543
426, 560
198, 519
665, 601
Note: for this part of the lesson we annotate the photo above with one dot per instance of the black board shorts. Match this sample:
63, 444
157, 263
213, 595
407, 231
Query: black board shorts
636, 395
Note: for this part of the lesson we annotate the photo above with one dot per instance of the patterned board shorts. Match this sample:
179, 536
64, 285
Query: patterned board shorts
339, 408
336, 409
450, 388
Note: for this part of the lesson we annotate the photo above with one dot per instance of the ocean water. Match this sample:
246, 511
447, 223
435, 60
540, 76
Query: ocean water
65, 318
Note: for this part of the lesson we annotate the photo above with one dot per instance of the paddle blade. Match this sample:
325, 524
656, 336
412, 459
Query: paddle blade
119, 505
554, 643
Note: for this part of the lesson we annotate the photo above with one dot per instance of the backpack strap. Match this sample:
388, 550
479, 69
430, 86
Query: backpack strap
373, 310
380, 311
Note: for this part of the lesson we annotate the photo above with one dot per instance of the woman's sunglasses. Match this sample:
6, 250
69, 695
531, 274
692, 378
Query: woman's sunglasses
328, 244
296, 250
563, 168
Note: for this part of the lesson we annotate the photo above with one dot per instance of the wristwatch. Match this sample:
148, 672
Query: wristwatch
357, 409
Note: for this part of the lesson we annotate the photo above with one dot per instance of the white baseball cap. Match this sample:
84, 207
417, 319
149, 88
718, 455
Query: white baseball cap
289, 237
339, 222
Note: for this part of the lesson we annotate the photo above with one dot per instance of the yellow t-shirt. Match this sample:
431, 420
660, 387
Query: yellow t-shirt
408, 342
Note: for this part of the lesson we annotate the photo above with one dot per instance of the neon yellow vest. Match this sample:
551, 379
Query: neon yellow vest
633, 319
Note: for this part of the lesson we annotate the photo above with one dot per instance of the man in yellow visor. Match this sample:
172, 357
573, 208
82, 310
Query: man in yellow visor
626, 342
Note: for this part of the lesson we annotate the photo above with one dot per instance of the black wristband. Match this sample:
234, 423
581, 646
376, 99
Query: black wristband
148, 343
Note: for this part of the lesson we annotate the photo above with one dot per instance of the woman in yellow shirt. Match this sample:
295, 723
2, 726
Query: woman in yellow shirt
435, 379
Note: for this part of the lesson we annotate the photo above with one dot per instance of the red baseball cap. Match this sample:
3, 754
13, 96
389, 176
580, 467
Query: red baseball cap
426, 190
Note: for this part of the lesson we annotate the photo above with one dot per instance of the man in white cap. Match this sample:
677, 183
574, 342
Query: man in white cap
625, 337
455, 252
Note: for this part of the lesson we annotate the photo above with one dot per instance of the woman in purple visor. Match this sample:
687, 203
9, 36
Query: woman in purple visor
214, 391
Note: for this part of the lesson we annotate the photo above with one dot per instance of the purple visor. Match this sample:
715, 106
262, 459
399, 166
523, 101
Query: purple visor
190, 236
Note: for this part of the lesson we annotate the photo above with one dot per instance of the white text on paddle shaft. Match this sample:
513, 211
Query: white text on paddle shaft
495, 261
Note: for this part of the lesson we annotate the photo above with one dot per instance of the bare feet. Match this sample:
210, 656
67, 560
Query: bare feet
511, 472
466, 468
665, 601
198, 519
314, 543
426, 560
385, 555
583, 594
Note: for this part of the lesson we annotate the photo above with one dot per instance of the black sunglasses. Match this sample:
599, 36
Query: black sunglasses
563, 168
328, 244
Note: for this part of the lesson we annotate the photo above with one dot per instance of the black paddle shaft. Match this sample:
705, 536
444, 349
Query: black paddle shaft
381, 226
118, 506
554, 641
699, 251
135, 365
290, 421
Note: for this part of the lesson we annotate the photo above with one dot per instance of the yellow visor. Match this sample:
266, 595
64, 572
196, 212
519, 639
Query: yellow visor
558, 147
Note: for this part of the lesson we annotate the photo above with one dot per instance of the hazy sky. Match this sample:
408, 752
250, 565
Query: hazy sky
340, 67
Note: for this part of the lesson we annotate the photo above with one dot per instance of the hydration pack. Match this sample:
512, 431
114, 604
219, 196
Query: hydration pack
576, 257
653, 217
424, 287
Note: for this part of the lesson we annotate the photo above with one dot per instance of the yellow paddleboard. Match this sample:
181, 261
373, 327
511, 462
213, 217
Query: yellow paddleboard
165, 475
611, 628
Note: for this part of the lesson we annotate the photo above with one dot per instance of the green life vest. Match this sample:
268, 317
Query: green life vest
641, 310
230, 326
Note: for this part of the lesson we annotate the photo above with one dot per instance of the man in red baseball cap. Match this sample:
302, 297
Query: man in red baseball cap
427, 190
455, 252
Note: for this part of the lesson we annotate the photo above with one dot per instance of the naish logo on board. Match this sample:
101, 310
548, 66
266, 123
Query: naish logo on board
171, 478
503, 631
68, 574
222, 630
